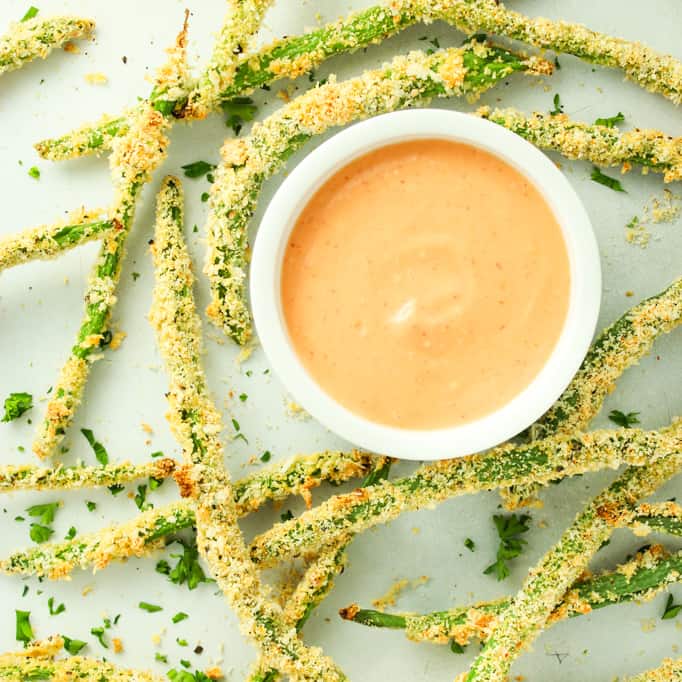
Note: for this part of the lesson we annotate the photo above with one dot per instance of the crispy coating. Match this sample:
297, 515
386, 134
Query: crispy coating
37, 37
196, 423
549, 580
543, 460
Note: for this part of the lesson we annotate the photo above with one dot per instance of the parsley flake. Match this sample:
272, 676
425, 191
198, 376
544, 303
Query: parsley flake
198, 169
509, 528
73, 646
16, 404
606, 180
150, 608
239, 111
558, 106
23, 629
671, 609
626, 420
55, 611
31, 12
100, 452
611, 121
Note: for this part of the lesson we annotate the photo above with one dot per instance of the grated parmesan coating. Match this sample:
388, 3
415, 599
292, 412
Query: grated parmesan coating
37, 662
48, 241
196, 423
26, 477
562, 565
506, 465
136, 538
243, 20
407, 81
601, 145
669, 671
37, 37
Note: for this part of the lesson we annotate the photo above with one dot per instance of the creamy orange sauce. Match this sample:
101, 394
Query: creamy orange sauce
425, 284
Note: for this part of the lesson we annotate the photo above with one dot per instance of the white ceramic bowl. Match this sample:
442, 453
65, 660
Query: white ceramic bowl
585, 289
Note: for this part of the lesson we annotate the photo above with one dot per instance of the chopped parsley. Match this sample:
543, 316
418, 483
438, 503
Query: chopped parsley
184, 676
141, 497
55, 611
243, 397
16, 404
286, 516
71, 533
198, 169
91, 505
161, 658
136, 276
24, 631
46, 512
116, 488
99, 633
100, 452
606, 180
509, 528
73, 646
558, 106
31, 12
180, 616
239, 111
34, 172
266, 456
157, 454
155, 483
181, 642
239, 434
611, 121
187, 569
40, 534
626, 420
470, 544
671, 609
204, 197
456, 647
150, 608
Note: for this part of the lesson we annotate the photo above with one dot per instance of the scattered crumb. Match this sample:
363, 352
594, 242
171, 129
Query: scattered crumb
96, 79
146, 428
295, 411
86, 590
245, 353
117, 340
658, 209
395, 590
416, 530
156, 639
72, 48
118, 645
629, 293
648, 625
214, 673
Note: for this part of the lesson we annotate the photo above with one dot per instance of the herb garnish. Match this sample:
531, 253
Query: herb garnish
16, 404
623, 419
100, 452
470, 544
509, 528
187, 569
558, 106
179, 616
30, 13
198, 169
23, 629
606, 180
150, 608
671, 610
73, 646
91, 505
55, 611
239, 111
611, 121
34, 172
99, 633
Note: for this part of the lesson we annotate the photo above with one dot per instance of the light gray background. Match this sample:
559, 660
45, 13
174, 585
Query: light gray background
40, 309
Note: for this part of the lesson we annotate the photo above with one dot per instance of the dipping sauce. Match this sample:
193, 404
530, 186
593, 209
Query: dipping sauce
425, 284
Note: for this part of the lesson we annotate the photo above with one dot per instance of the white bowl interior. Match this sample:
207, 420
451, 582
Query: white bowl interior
569, 351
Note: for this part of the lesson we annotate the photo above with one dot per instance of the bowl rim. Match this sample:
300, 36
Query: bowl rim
584, 294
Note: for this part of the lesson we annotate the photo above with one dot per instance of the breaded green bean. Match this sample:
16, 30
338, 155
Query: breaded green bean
196, 423
25, 477
37, 37
646, 575
296, 476
48, 241
543, 460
